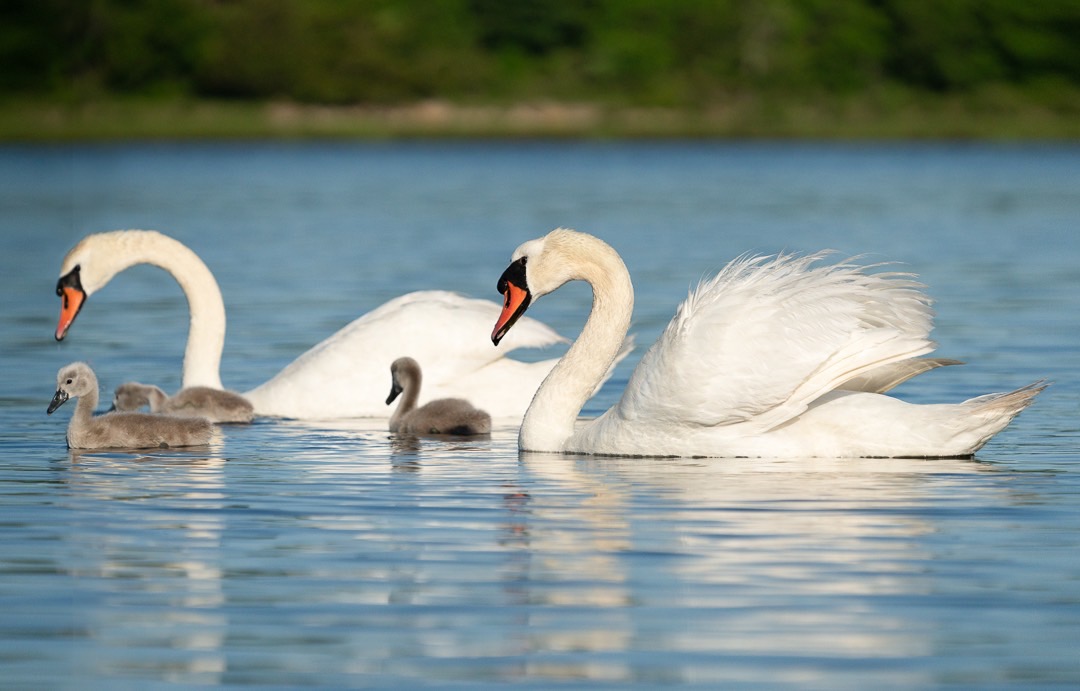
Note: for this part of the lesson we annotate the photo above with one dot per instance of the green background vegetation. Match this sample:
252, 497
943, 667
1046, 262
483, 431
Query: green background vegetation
644, 67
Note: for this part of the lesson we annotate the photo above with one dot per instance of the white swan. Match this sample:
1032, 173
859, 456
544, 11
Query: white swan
444, 329
440, 416
216, 405
119, 430
754, 363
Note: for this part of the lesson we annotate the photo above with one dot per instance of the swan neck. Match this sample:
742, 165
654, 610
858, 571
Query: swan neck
206, 328
549, 422
409, 395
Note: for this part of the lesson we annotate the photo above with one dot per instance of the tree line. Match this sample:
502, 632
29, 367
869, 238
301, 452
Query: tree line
681, 53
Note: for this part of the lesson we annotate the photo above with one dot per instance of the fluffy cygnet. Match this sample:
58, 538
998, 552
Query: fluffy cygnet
194, 401
119, 430
443, 416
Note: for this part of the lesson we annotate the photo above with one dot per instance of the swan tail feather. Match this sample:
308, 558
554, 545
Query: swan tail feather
993, 412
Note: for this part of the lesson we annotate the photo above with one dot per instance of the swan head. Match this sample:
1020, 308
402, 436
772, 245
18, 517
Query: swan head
91, 264
72, 381
86, 267
541, 266
72, 297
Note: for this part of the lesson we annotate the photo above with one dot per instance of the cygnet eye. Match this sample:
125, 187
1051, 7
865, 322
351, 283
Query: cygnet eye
69, 381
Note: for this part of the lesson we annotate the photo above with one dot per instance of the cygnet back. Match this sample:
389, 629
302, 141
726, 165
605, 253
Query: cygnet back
216, 405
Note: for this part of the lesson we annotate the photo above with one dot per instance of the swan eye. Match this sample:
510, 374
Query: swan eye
70, 280
68, 381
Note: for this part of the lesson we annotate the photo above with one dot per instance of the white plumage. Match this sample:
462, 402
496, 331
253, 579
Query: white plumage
780, 356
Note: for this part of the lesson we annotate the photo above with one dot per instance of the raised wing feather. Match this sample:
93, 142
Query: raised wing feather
766, 336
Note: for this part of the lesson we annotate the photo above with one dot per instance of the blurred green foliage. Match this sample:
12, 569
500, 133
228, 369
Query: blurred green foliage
682, 53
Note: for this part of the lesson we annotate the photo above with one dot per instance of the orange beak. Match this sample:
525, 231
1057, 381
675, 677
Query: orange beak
71, 301
516, 299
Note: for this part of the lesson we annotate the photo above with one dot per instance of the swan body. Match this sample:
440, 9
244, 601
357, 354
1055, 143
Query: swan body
772, 357
441, 416
119, 430
338, 377
217, 405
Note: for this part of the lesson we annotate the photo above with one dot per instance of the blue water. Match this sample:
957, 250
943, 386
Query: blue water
331, 554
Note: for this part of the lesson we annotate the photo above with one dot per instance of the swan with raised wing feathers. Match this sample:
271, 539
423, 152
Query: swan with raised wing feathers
441, 416
119, 430
217, 405
756, 362
446, 330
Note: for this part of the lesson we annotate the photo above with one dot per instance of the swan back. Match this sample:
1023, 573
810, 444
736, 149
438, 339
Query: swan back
454, 416
119, 430
444, 330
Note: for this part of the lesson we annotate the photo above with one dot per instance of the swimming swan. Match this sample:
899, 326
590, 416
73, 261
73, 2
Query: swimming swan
445, 330
216, 405
441, 416
754, 362
119, 430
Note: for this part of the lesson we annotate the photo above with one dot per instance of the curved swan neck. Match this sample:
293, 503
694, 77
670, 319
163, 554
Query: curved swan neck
549, 421
409, 378
206, 330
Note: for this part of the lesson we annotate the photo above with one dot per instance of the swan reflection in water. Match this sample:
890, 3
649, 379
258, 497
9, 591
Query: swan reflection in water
534, 560
799, 556
157, 565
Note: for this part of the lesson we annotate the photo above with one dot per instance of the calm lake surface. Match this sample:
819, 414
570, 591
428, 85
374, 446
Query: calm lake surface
330, 554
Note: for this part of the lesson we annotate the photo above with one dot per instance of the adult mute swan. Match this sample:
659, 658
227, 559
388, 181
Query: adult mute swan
759, 361
441, 416
338, 377
119, 430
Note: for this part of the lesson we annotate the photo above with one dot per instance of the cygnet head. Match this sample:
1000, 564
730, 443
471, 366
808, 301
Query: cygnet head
404, 373
72, 381
131, 396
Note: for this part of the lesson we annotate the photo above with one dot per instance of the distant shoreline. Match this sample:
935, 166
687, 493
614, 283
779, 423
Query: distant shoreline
892, 116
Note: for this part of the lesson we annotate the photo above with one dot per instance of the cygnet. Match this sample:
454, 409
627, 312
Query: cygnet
194, 401
443, 416
119, 430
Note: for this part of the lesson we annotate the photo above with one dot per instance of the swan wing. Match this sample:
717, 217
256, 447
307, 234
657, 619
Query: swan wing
889, 376
766, 336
